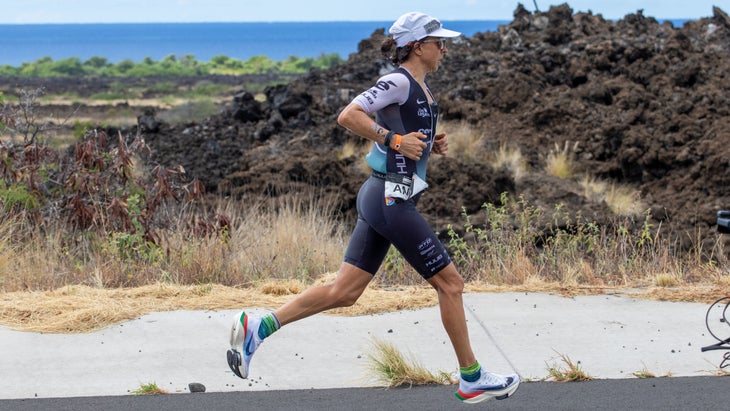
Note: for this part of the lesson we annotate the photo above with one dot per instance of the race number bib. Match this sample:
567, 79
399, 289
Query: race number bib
403, 187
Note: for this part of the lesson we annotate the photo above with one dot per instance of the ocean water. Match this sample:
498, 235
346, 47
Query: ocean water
29, 42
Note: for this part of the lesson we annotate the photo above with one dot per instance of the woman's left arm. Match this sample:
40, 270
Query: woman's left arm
440, 144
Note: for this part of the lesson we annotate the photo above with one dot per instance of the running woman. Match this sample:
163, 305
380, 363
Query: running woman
404, 136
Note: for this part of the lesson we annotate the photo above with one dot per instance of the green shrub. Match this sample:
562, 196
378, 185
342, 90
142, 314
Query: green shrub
169, 66
80, 128
16, 198
164, 87
97, 63
207, 88
8, 70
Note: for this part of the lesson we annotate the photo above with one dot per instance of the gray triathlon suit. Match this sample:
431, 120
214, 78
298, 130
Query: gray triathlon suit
401, 105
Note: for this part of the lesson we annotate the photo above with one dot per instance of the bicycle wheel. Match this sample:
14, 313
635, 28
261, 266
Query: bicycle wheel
716, 319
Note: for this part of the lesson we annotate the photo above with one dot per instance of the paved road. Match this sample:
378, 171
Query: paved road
609, 336
676, 393
321, 363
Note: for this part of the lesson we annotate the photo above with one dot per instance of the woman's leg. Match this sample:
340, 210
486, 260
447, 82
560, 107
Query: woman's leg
343, 292
475, 383
449, 286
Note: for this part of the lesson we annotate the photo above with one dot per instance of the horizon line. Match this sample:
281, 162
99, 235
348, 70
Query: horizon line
294, 21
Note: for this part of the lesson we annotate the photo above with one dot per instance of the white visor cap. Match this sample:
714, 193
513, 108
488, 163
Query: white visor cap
415, 26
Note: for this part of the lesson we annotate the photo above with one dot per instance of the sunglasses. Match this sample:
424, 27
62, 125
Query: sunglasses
441, 42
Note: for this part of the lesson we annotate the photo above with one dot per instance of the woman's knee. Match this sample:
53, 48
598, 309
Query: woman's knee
349, 299
448, 281
343, 294
348, 286
454, 285
343, 297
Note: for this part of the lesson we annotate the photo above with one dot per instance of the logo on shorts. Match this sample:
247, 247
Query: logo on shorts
430, 264
389, 201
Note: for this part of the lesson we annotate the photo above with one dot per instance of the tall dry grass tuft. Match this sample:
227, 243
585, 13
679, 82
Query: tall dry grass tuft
32, 264
390, 367
624, 201
568, 372
465, 142
560, 162
666, 280
357, 149
351, 148
300, 240
518, 267
512, 159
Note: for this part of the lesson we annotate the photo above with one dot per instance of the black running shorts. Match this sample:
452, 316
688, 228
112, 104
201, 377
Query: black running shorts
379, 225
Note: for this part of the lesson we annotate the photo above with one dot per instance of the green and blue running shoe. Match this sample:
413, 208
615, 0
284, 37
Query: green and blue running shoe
489, 385
244, 342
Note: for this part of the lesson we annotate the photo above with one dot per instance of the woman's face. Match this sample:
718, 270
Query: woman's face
433, 50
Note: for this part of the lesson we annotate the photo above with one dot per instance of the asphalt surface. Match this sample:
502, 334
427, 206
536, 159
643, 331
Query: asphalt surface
323, 362
666, 394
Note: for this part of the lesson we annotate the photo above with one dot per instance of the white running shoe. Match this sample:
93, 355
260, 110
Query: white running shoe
244, 342
489, 385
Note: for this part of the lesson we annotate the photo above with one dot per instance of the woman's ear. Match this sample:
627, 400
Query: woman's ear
417, 48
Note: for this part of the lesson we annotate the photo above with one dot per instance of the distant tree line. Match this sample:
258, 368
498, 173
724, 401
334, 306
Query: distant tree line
169, 66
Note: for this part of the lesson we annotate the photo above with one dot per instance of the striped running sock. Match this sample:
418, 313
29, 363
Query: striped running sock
471, 373
269, 324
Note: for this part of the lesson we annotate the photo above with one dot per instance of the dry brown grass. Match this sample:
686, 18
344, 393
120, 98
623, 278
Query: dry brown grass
357, 149
624, 200
705, 294
392, 368
621, 199
644, 373
560, 162
465, 142
270, 256
568, 372
82, 309
512, 159
297, 240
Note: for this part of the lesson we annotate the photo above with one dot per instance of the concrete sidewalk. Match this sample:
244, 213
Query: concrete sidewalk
608, 336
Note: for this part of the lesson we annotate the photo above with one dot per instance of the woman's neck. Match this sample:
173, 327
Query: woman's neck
418, 73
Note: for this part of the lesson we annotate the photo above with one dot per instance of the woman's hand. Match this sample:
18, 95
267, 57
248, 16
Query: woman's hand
412, 145
440, 144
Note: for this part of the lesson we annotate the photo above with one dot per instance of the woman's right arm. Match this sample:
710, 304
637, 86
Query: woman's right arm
355, 119
390, 89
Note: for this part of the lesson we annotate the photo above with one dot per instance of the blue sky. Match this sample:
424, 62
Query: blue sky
117, 11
